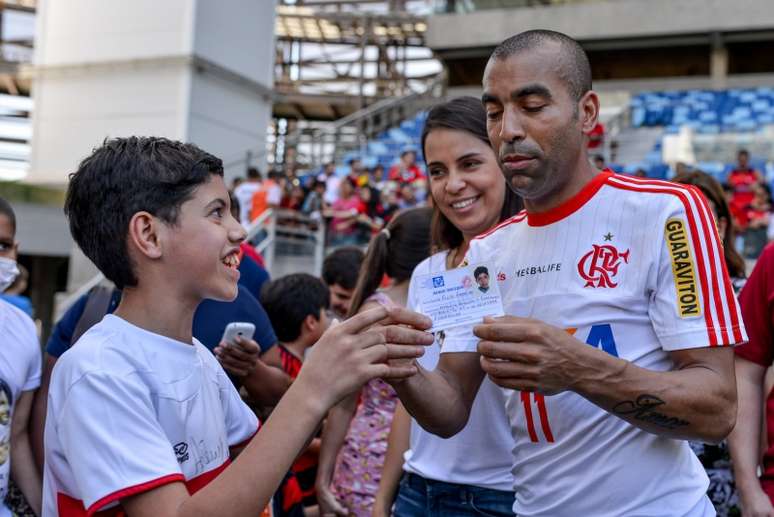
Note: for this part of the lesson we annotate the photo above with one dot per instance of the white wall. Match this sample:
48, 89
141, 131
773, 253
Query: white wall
112, 68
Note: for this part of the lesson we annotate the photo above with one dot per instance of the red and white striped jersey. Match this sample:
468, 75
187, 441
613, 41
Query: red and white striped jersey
635, 268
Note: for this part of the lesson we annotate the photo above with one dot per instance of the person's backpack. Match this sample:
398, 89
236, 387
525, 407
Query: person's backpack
97, 305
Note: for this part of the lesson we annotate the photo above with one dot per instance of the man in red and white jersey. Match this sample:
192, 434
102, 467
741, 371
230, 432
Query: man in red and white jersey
619, 310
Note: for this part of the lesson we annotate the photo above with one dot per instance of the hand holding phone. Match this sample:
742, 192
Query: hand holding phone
238, 329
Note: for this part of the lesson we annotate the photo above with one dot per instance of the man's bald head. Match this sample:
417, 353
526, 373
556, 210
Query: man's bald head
572, 66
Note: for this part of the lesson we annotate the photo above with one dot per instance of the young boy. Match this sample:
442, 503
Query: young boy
297, 307
141, 418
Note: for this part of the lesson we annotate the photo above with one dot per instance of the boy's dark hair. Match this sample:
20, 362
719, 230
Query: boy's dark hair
461, 114
125, 176
394, 251
573, 65
290, 299
480, 270
342, 267
7, 210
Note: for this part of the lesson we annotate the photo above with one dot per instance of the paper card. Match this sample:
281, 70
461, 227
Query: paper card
461, 296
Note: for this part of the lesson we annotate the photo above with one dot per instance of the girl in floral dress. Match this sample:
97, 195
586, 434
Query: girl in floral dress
354, 440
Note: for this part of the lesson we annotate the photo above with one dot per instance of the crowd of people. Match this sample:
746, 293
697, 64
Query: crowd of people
354, 206
607, 389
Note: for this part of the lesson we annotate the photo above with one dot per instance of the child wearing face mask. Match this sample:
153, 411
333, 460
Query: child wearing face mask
20, 364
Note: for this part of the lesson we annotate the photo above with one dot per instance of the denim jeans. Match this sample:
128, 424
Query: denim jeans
420, 497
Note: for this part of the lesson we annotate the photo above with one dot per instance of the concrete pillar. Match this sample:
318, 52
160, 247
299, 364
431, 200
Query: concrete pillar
719, 63
192, 70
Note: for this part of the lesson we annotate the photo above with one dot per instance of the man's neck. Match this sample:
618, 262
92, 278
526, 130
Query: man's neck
584, 173
154, 312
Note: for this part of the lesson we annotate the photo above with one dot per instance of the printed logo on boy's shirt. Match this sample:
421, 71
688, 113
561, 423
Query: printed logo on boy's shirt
438, 281
181, 451
683, 269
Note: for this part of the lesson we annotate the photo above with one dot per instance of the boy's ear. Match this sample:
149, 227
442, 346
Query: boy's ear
310, 323
144, 234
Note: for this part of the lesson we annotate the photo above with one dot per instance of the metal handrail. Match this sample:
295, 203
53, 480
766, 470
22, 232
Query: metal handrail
271, 221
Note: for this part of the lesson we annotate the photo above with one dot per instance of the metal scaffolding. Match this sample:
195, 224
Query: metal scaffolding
337, 58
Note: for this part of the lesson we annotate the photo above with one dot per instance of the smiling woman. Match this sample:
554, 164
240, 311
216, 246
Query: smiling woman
470, 197
466, 183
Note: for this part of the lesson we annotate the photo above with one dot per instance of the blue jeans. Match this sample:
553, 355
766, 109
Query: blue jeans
420, 497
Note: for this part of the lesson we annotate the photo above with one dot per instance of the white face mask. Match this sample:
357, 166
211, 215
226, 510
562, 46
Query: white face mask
8, 273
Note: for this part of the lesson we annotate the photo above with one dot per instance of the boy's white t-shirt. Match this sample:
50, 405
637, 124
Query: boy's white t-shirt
634, 268
20, 364
130, 410
480, 454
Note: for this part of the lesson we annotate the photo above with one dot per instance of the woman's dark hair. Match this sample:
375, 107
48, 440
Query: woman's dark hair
713, 191
462, 114
125, 176
394, 251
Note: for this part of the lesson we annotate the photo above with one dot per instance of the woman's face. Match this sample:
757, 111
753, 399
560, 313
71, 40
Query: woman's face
465, 180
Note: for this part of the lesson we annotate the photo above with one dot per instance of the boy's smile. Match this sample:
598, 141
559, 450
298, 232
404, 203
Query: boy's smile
203, 247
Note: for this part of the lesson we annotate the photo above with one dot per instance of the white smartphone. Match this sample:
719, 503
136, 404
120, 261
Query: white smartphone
241, 329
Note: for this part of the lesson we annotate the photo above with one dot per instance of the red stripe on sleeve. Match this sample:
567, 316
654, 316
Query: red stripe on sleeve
668, 188
712, 239
725, 281
133, 490
708, 234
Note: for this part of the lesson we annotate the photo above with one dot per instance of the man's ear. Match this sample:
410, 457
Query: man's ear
144, 234
589, 111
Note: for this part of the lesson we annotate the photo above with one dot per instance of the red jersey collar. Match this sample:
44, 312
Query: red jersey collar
571, 205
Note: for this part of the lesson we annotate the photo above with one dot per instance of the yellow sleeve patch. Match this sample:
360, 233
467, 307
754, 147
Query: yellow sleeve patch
683, 268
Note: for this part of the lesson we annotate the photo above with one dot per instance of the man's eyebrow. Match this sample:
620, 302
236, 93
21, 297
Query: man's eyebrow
487, 98
525, 91
531, 89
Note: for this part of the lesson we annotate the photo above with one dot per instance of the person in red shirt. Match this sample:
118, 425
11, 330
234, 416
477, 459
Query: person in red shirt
407, 170
743, 180
752, 360
297, 306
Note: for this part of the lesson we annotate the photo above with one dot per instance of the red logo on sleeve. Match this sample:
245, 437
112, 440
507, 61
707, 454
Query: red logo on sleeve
600, 266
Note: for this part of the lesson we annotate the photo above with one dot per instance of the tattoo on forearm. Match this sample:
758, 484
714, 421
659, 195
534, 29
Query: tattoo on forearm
643, 409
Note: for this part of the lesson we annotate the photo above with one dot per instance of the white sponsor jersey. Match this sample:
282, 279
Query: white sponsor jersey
634, 268
130, 410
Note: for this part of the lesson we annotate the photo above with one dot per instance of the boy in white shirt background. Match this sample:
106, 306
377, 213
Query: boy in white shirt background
140, 414
20, 365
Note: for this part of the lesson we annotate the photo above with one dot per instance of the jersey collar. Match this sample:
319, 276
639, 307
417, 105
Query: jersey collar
571, 205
